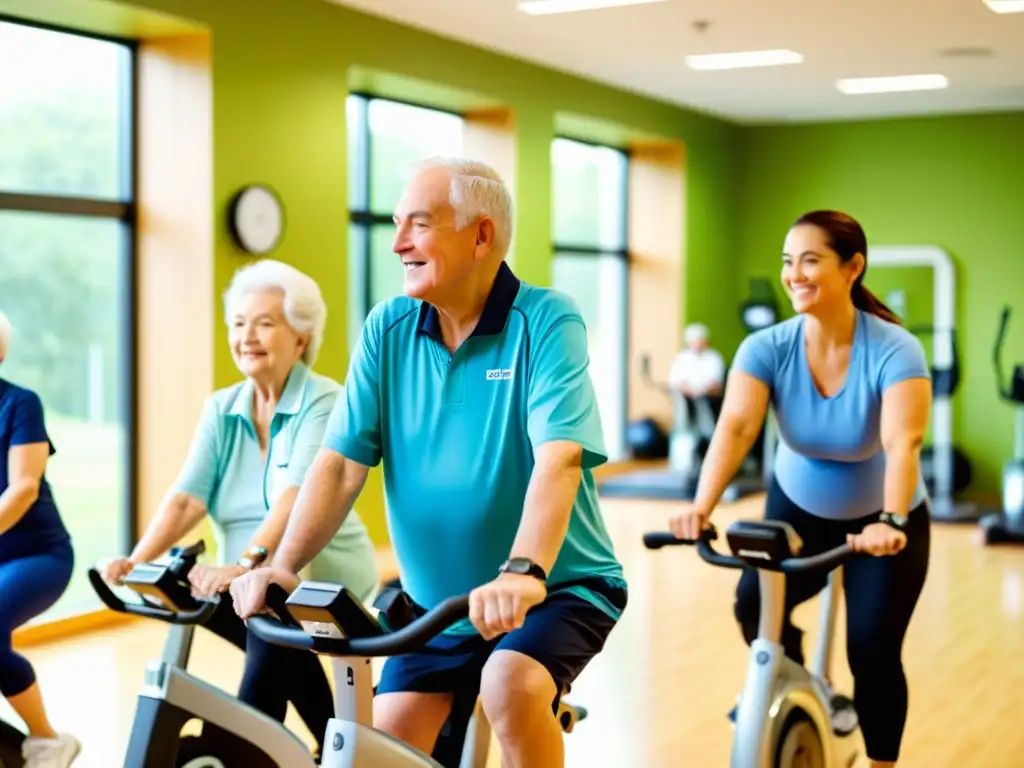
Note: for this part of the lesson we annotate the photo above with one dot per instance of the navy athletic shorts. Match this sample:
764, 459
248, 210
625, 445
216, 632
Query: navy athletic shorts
563, 634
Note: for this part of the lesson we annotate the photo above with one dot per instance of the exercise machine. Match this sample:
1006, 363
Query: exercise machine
954, 472
328, 619
233, 733
691, 429
1007, 525
10, 746
945, 374
787, 715
688, 441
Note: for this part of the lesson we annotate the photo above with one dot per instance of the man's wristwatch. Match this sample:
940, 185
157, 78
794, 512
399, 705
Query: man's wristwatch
252, 558
899, 522
523, 566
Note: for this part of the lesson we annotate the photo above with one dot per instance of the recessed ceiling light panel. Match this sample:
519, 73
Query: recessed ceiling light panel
1005, 6
549, 7
744, 59
859, 86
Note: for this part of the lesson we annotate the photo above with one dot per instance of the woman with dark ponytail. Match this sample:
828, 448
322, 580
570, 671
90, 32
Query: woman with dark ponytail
851, 390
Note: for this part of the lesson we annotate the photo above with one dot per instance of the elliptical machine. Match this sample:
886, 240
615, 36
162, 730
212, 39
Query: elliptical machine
1007, 525
786, 712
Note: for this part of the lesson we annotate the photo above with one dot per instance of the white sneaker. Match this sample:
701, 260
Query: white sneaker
50, 753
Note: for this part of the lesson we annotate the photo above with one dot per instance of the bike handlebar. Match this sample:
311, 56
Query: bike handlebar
199, 615
409, 638
827, 560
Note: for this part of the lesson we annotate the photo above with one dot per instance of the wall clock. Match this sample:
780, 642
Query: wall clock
256, 219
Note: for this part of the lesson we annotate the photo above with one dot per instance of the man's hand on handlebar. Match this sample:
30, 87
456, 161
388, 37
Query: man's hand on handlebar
878, 539
249, 592
689, 522
211, 580
115, 569
500, 606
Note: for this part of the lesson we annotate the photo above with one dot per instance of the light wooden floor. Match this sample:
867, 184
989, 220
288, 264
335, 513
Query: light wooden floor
659, 694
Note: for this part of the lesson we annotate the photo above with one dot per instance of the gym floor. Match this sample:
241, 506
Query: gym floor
672, 668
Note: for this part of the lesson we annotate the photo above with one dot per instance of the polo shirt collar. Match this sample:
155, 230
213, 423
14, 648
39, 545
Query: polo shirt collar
496, 309
291, 398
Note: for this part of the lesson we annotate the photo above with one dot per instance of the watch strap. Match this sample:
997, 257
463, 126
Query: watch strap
523, 566
899, 522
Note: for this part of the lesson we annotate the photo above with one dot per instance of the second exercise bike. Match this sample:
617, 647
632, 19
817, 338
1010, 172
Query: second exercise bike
787, 713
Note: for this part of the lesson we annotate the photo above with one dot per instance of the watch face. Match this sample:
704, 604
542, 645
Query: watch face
518, 565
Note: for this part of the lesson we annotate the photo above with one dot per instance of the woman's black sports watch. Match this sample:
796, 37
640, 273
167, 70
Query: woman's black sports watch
899, 522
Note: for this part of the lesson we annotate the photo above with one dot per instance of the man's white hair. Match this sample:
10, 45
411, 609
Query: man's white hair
304, 306
5, 334
476, 189
695, 332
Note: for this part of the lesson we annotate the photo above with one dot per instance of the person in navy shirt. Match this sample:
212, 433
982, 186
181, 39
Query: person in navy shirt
36, 559
851, 390
473, 390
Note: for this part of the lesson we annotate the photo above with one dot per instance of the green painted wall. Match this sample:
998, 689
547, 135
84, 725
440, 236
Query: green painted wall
281, 75
954, 182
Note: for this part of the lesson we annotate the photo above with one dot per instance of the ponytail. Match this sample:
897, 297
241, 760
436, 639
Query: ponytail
865, 300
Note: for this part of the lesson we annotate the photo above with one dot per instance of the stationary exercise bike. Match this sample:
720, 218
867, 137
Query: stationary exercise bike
786, 715
1007, 525
328, 619
10, 746
233, 733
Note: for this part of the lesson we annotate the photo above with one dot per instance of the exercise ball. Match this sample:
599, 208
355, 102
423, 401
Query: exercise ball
646, 440
963, 472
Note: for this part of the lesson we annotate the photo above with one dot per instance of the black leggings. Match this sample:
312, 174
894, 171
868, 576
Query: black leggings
881, 593
275, 675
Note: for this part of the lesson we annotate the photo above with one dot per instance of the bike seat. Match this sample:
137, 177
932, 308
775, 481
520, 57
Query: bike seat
763, 543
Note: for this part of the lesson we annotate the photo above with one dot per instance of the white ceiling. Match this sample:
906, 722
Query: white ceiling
642, 48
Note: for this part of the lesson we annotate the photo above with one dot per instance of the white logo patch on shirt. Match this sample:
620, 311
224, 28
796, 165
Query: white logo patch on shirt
499, 374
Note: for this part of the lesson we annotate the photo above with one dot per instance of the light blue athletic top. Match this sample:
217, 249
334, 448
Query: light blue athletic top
829, 459
225, 471
457, 435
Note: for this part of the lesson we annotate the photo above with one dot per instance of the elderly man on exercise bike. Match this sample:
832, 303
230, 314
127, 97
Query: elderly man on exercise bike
473, 390
698, 374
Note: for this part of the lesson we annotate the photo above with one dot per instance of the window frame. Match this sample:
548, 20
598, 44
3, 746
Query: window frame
364, 217
623, 253
126, 212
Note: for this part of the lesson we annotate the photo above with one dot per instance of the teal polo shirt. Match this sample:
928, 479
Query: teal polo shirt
227, 473
457, 435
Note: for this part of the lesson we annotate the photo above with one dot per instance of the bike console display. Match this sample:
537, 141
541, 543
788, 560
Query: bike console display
331, 610
763, 543
158, 585
164, 589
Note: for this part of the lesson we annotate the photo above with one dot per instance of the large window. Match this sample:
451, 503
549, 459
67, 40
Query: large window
384, 139
66, 273
591, 263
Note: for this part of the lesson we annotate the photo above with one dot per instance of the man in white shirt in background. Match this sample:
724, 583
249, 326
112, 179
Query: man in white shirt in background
698, 371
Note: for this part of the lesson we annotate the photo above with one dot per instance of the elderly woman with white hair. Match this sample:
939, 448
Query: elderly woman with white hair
253, 445
36, 559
